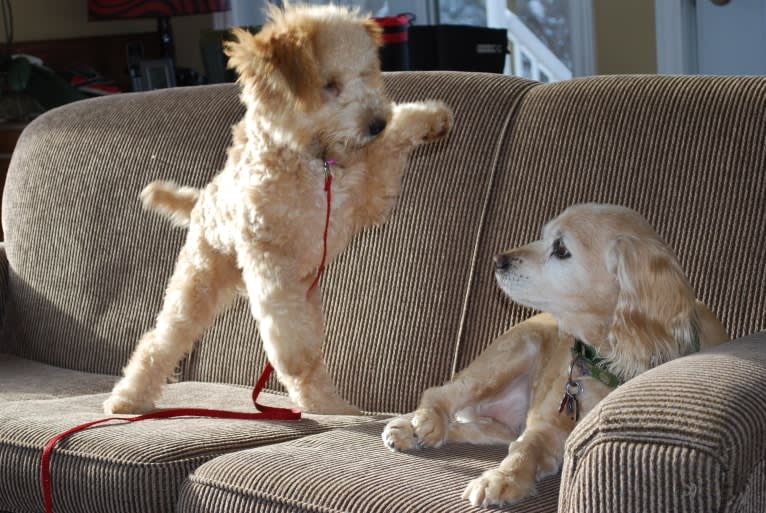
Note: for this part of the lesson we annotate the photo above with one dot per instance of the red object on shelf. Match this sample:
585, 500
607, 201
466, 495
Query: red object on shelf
394, 55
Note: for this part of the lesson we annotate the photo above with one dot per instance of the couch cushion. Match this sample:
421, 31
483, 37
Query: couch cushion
22, 379
348, 470
131, 468
688, 152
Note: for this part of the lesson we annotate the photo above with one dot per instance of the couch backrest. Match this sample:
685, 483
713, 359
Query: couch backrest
688, 152
412, 300
88, 267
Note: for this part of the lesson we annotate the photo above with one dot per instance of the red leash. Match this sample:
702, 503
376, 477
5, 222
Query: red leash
328, 192
264, 413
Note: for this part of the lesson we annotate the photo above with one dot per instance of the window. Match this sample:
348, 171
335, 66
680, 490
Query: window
548, 40
526, 64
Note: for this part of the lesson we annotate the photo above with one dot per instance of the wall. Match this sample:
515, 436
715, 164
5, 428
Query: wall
625, 36
61, 19
624, 30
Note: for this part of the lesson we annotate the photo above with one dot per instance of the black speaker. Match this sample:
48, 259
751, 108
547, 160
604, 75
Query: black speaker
394, 54
457, 48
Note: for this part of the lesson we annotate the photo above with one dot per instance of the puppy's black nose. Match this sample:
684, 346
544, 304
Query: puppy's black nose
377, 125
502, 262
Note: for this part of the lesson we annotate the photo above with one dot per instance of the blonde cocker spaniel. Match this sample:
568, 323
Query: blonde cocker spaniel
616, 303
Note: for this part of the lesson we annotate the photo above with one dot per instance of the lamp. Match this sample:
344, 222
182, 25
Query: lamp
160, 9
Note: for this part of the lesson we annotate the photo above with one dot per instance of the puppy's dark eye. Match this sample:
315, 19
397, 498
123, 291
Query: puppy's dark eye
331, 88
560, 251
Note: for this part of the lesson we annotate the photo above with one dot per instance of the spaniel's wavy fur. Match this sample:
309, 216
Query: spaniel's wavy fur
602, 275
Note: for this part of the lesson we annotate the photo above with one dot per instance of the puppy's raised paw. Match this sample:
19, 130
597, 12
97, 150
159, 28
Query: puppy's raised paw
421, 122
441, 121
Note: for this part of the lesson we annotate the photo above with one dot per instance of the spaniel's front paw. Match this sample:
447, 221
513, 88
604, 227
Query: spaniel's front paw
426, 428
398, 435
495, 488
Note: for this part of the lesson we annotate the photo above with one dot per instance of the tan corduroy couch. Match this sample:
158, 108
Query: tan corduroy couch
83, 271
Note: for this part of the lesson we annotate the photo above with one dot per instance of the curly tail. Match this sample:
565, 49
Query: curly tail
171, 200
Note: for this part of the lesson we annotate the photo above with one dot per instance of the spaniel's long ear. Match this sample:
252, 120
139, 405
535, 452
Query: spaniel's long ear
654, 320
277, 61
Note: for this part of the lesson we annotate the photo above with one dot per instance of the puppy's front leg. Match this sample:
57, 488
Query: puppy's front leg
411, 124
292, 331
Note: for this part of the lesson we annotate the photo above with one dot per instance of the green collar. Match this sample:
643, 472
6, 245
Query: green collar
695, 337
586, 358
590, 364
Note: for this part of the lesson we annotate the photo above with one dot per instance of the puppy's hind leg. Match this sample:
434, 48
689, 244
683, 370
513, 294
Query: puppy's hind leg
203, 282
292, 331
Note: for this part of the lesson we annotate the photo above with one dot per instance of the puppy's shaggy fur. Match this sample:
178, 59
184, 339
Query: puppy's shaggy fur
603, 276
311, 82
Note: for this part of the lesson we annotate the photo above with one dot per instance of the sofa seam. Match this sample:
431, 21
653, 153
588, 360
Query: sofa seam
737, 493
69, 453
247, 494
508, 124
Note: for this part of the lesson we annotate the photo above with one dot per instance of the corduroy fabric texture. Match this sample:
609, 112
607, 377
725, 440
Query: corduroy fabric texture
136, 467
88, 268
687, 436
22, 379
686, 152
393, 300
348, 471
3, 289
406, 304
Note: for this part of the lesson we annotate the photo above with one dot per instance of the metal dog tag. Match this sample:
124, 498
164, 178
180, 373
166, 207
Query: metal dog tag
569, 401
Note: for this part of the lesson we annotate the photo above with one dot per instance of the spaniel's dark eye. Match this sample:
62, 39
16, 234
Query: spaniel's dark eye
560, 251
331, 88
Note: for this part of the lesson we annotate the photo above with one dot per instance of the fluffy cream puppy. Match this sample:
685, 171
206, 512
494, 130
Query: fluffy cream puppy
616, 303
316, 104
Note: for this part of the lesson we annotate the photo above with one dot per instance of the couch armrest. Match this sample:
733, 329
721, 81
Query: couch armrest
687, 436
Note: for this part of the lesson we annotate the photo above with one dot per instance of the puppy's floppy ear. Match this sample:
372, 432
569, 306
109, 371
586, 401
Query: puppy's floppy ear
240, 50
374, 30
654, 319
279, 60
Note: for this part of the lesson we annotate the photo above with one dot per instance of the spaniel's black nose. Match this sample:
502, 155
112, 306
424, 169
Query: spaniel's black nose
502, 262
377, 125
